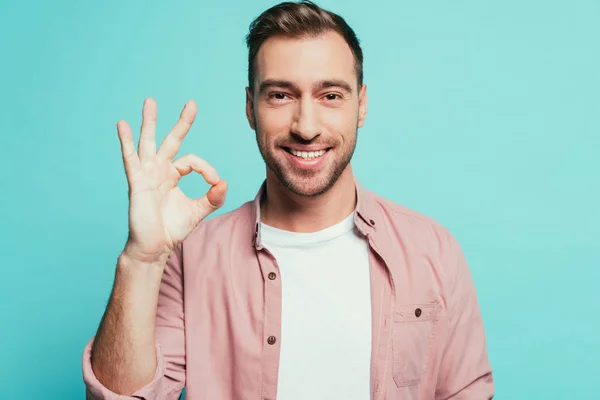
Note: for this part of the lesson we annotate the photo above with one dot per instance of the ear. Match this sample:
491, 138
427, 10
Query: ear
250, 108
362, 105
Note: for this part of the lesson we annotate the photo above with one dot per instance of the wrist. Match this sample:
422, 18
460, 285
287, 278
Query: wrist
138, 278
131, 256
130, 262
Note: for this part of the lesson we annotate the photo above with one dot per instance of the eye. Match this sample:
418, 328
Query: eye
277, 96
332, 96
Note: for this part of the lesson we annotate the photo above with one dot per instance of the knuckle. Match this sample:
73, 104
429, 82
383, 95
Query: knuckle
186, 125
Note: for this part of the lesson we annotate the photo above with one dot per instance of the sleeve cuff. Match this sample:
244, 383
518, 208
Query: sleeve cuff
96, 391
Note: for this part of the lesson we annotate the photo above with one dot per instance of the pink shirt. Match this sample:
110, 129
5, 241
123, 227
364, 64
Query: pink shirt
219, 312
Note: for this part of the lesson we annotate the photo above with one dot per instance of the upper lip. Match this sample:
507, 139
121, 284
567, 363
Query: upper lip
307, 148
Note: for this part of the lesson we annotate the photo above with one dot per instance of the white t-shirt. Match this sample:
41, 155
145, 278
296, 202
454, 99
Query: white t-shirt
326, 312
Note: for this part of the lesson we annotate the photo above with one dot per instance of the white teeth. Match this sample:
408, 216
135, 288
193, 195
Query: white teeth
308, 155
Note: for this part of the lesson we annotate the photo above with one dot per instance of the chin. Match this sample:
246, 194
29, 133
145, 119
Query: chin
308, 186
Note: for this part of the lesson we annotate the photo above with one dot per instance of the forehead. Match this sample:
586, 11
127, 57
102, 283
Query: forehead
305, 60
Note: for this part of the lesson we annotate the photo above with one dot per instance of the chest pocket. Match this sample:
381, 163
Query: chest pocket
414, 327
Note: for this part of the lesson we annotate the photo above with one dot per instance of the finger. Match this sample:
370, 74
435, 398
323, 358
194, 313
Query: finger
191, 162
147, 144
130, 157
171, 144
213, 199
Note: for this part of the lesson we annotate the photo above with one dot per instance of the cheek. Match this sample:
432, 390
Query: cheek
342, 120
271, 121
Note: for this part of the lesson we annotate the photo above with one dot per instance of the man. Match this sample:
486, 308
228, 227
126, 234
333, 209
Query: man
318, 289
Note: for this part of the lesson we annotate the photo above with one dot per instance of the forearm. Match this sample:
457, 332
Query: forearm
124, 351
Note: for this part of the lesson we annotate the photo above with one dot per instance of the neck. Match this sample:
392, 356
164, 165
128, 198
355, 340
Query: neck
282, 209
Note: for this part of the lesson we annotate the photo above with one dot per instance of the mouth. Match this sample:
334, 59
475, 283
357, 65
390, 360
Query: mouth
307, 155
307, 160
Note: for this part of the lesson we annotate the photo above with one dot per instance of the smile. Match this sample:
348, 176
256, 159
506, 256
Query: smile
307, 155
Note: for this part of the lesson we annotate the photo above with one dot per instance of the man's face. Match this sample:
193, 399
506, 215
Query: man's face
306, 109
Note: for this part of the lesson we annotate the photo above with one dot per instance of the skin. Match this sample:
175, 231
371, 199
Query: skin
161, 216
290, 106
301, 112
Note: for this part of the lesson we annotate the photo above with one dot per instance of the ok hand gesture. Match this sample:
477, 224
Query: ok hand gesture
160, 215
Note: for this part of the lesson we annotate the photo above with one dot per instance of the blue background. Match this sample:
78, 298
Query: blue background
483, 115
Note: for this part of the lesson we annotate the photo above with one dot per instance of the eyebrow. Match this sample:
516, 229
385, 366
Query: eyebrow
319, 85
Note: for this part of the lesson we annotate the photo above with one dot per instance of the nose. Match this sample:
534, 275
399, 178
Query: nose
306, 122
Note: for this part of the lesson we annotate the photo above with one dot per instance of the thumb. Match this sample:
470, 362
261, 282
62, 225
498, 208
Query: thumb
213, 199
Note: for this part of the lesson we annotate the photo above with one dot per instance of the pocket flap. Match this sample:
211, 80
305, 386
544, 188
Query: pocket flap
417, 312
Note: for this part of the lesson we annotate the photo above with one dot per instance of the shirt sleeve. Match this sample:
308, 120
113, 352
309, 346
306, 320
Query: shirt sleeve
465, 371
169, 377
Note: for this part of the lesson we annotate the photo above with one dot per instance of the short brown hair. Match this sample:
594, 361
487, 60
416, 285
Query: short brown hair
299, 20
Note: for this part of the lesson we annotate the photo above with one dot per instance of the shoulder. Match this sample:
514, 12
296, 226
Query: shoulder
228, 226
398, 214
409, 228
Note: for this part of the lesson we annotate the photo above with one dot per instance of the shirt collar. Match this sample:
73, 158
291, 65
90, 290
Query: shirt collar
365, 217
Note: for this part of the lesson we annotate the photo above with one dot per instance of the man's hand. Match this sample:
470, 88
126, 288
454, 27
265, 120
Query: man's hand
161, 216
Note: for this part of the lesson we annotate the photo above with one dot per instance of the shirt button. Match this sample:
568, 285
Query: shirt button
272, 276
271, 340
372, 222
418, 312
